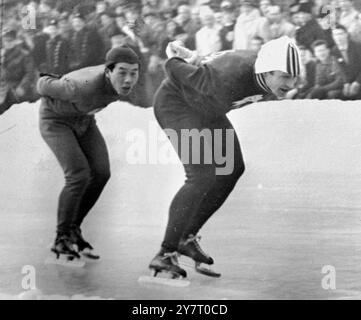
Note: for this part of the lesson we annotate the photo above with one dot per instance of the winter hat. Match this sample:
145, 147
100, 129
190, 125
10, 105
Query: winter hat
280, 54
121, 54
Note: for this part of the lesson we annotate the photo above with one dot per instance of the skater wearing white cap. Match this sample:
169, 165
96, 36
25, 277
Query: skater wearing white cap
196, 97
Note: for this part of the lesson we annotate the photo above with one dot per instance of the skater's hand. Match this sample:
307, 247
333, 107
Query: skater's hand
346, 90
176, 49
20, 92
354, 89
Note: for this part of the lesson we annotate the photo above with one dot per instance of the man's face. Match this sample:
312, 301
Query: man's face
184, 13
208, 20
274, 14
52, 31
305, 56
123, 77
296, 19
340, 37
321, 52
280, 83
78, 24
246, 8
105, 20
120, 21
264, 5
304, 17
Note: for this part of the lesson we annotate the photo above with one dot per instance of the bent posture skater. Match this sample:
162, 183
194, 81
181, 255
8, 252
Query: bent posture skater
68, 126
196, 99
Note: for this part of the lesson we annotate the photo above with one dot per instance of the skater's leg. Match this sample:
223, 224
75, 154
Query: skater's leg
94, 148
64, 144
224, 183
200, 177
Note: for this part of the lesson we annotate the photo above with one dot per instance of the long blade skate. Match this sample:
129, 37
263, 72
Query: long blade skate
206, 270
66, 261
164, 278
89, 254
201, 268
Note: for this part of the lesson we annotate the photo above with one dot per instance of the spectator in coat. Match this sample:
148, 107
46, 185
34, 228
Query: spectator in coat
350, 19
190, 26
309, 30
273, 25
246, 25
208, 38
57, 51
17, 73
348, 54
107, 27
329, 78
229, 23
87, 47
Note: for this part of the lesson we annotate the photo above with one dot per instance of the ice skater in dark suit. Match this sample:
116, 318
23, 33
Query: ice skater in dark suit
196, 99
68, 126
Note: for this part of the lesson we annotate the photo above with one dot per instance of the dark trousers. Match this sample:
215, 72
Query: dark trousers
81, 151
205, 188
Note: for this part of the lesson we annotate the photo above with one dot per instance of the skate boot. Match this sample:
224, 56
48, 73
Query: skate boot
167, 262
190, 247
65, 253
83, 246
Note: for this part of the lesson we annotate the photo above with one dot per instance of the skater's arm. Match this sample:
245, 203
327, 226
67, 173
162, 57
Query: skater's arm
62, 89
186, 74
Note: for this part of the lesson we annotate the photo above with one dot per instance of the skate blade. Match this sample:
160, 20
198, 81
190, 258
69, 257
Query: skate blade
207, 271
200, 268
180, 283
66, 262
89, 254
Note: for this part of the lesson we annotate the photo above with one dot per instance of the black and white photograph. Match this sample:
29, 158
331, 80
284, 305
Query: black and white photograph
182, 150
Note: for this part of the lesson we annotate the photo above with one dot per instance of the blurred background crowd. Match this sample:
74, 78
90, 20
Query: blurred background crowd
59, 36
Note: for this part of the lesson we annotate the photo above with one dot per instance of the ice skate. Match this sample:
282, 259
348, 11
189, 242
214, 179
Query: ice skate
165, 270
84, 247
65, 254
190, 247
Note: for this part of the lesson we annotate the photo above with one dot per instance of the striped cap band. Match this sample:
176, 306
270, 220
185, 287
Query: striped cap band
293, 61
262, 82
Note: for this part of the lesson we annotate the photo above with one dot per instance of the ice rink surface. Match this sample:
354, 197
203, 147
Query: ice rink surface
296, 210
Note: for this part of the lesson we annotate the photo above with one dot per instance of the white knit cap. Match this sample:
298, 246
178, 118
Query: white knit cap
280, 54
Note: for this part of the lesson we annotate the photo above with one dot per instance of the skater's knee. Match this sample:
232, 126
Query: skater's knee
102, 176
239, 170
78, 176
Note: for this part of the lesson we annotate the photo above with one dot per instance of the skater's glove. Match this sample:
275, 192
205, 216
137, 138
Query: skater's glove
176, 49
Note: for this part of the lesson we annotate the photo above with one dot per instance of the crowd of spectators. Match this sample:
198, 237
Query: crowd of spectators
66, 35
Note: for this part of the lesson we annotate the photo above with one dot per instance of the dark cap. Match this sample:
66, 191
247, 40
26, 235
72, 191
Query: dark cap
304, 6
109, 13
248, 2
227, 5
121, 54
78, 15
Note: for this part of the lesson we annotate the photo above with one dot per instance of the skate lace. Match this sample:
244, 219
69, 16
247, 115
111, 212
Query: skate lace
195, 240
173, 256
